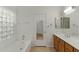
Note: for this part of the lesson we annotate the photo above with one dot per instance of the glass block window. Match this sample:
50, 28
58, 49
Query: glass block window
7, 24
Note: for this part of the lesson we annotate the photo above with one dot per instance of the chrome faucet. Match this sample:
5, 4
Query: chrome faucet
67, 35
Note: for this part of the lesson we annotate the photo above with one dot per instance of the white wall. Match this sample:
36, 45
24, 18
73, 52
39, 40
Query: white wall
74, 20
52, 12
25, 24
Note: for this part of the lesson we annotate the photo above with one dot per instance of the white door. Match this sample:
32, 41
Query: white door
40, 17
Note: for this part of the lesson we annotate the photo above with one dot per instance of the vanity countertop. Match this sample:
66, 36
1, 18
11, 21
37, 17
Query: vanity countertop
72, 39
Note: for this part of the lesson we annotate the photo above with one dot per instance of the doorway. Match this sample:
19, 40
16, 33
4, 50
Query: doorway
39, 35
40, 29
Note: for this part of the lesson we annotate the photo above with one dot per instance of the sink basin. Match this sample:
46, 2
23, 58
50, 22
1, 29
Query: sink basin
67, 35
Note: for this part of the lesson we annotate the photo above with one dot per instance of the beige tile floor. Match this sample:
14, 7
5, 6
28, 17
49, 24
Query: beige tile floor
39, 37
42, 49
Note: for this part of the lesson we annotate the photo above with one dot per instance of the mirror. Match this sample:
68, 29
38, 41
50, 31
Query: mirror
62, 23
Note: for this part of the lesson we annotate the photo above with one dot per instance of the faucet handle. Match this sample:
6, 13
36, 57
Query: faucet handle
23, 37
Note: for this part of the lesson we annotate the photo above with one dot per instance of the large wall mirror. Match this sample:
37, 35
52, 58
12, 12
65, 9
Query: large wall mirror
62, 22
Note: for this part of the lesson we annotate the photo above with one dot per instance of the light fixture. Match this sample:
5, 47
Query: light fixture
69, 10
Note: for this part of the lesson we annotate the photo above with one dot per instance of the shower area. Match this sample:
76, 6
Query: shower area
15, 31
7, 28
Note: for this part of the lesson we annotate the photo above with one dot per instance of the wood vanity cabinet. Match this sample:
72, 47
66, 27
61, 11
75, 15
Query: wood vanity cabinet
56, 43
68, 48
76, 50
62, 46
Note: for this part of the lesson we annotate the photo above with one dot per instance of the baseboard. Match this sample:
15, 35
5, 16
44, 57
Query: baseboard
40, 46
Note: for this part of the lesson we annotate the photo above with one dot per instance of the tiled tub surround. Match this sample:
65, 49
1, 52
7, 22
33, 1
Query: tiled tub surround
8, 41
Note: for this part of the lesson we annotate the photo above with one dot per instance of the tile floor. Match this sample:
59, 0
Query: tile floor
39, 36
42, 49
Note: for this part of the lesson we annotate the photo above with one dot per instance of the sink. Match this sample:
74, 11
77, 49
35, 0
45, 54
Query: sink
67, 35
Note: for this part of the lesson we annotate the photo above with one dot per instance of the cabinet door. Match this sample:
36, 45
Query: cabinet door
61, 45
76, 50
56, 43
68, 48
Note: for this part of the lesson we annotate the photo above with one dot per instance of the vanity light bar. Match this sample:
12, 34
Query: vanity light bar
69, 10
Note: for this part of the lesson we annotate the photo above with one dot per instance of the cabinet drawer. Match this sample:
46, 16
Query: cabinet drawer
68, 48
56, 42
